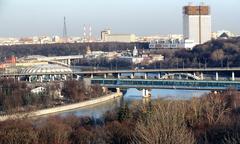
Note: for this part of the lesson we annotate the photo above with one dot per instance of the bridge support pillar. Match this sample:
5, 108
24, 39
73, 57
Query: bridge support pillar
69, 62
159, 76
132, 76
217, 78
145, 93
179, 76
118, 90
145, 76
201, 76
104, 89
119, 76
41, 78
194, 74
65, 77
52, 77
233, 76
30, 78
78, 77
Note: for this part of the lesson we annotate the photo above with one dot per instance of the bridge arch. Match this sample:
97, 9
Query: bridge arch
179, 76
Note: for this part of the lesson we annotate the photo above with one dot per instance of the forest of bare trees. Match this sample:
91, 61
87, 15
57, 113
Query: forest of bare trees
16, 96
213, 118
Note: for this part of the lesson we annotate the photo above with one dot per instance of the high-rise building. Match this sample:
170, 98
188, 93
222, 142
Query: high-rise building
197, 23
104, 34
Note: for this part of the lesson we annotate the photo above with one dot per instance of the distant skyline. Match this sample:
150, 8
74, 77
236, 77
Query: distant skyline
23, 18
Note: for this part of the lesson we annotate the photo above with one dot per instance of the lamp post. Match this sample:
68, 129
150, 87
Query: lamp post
111, 66
177, 63
116, 65
205, 63
183, 64
227, 63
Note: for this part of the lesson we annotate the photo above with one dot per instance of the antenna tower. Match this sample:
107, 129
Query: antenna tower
90, 33
65, 37
84, 33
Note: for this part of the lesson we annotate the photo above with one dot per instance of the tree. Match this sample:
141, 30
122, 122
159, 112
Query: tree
165, 125
124, 113
74, 90
217, 55
54, 131
17, 132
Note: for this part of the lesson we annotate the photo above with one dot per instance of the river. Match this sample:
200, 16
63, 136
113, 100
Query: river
130, 97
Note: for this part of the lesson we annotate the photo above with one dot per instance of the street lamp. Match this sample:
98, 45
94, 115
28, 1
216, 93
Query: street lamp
177, 63
199, 64
222, 63
116, 65
205, 64
183, 64
111, 66
227, 63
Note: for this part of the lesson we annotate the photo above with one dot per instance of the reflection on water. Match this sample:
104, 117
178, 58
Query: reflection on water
131, 97
134, 94
96, 111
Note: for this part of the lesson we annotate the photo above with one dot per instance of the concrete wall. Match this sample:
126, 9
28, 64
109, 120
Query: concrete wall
61, 108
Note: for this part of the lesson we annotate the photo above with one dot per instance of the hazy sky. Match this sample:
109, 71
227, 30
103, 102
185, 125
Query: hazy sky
142, 17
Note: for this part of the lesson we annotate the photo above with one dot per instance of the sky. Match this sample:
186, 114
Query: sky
22, 18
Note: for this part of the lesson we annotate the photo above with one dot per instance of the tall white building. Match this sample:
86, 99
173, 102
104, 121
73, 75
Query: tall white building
197, 23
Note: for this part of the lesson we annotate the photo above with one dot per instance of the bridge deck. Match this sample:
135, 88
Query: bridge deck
135, 71
162, 70
170, 84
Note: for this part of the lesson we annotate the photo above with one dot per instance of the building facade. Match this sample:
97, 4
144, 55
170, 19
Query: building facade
107, 36
197, 23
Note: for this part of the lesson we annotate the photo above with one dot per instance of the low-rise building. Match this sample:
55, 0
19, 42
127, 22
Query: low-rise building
222, 34
38, 90
171, 44
133, 60
107, 36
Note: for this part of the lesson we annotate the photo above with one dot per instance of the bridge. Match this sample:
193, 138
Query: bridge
63, 59
166, 84
147, 84
178, 70
54, 59
197, 79
197, 74
109, 72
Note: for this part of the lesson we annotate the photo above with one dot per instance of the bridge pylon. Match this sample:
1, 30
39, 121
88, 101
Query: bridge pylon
146, 93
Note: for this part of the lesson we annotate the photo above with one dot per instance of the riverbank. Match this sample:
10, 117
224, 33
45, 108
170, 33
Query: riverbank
61, 108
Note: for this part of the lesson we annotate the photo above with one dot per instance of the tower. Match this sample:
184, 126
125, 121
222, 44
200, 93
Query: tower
197, 23
65, 37
84, 33
90, 34
87, 33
